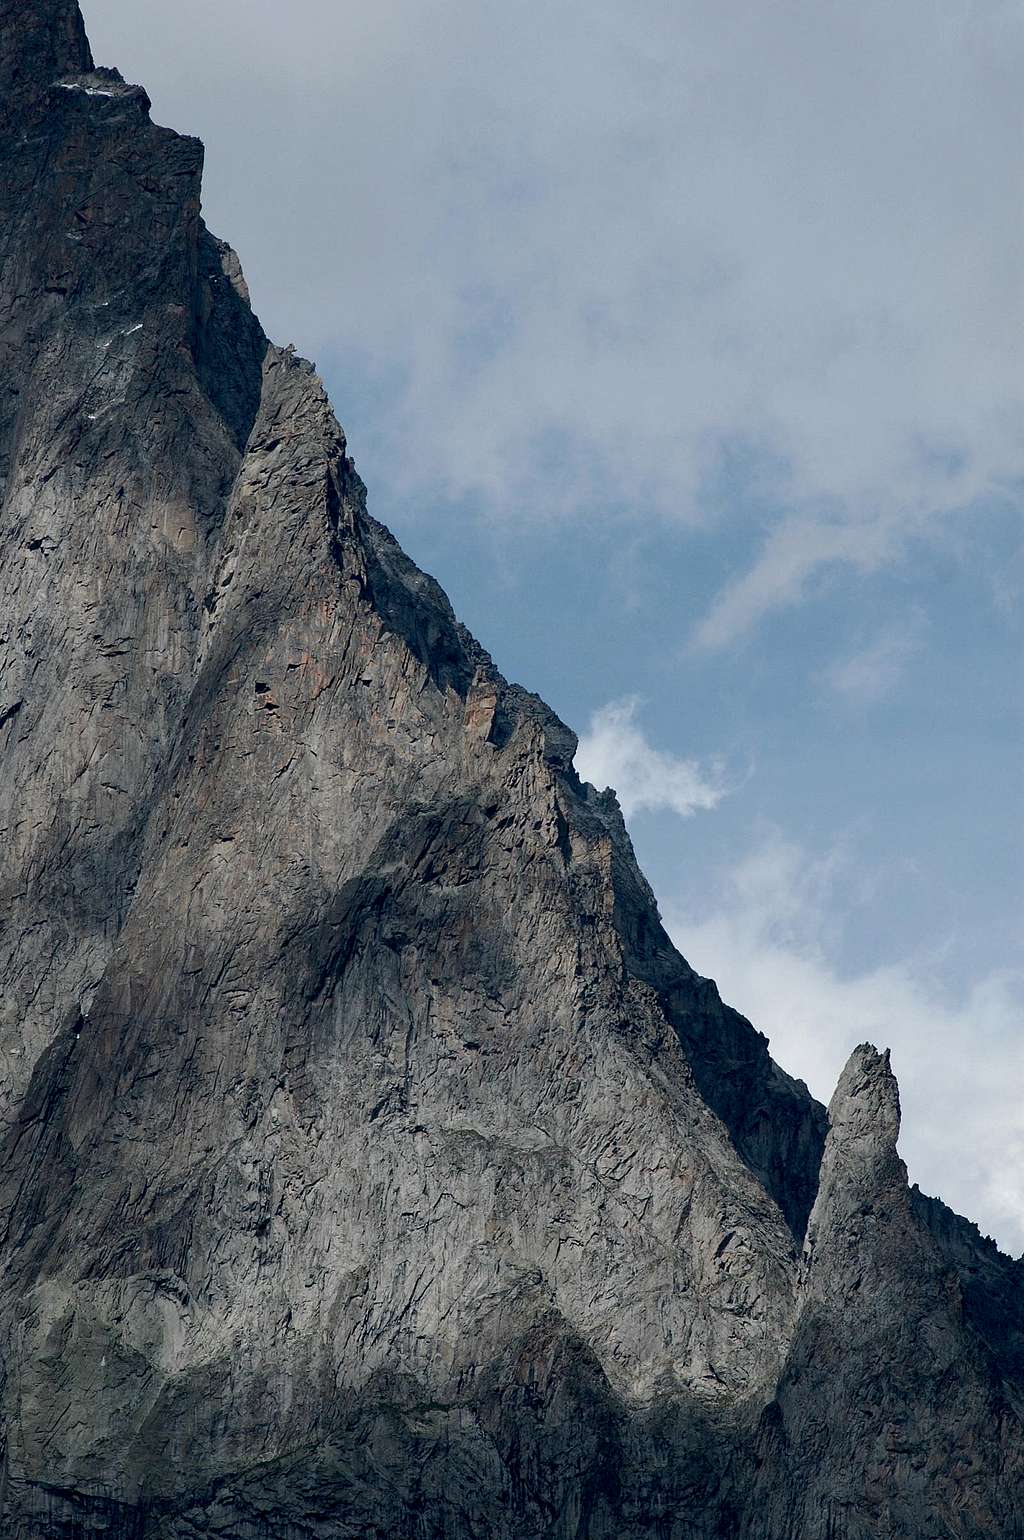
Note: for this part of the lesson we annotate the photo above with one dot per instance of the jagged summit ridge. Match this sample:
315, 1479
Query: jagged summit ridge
371, 1163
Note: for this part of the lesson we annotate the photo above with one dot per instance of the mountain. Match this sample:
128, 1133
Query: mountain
371, 1164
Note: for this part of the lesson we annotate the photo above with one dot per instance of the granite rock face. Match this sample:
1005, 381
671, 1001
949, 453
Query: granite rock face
371, 1164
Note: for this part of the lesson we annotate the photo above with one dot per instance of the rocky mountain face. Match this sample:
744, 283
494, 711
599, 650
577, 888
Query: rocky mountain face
371, 1165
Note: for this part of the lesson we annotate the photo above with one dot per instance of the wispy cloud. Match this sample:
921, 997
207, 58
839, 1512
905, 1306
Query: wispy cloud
615, 752
766, 939
795, 551
872, 672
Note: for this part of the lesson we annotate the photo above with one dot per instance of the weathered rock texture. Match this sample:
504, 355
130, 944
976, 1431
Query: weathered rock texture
371, 1164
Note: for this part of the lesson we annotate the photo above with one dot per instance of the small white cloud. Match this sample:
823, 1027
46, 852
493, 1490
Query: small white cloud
872, 672
616, 753
959, 1060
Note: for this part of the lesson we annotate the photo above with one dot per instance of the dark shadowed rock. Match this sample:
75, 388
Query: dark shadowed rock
40, 41
371, 1164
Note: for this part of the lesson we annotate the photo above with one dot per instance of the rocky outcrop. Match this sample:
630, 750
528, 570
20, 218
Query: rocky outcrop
371, 1163
893, 1414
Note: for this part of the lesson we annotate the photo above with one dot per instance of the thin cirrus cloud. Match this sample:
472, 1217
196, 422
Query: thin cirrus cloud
874, 671
795, 551
669, 241
616, 753
767, 935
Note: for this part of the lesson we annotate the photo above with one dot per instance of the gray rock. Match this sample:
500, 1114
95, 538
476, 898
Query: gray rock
899, 1408
371, 1163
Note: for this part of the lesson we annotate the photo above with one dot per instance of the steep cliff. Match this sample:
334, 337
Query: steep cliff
371, 1163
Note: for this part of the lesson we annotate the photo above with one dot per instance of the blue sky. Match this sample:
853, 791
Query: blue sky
682, 343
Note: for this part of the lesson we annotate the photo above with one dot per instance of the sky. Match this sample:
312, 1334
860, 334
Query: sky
682, 342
